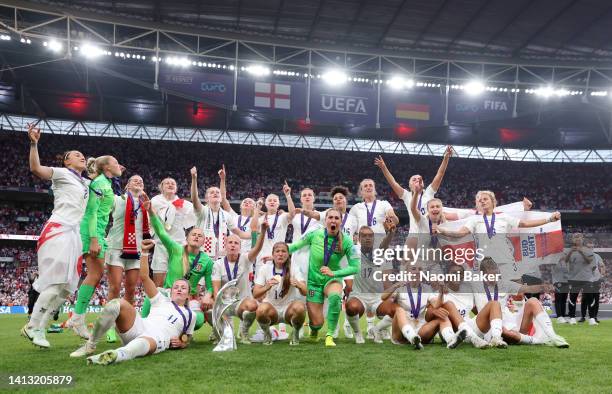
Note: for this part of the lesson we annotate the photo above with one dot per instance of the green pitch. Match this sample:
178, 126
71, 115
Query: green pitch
584, 367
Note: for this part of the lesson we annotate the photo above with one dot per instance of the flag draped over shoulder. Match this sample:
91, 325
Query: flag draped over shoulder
531, 247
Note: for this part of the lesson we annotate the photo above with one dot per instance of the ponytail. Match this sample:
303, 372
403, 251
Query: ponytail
95, 165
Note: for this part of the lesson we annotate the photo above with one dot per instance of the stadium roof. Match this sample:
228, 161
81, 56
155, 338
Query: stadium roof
549, 30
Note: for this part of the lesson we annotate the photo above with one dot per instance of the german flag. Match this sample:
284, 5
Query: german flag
412, 111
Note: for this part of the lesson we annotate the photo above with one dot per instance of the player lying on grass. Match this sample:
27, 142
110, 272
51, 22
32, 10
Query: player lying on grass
327, 247
282, 291
418, 314
184, 261
529, 324
169, 325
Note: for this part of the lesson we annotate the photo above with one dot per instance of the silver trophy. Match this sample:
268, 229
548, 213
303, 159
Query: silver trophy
223, 310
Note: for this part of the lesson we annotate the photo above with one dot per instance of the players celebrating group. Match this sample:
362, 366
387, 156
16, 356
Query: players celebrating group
194, 248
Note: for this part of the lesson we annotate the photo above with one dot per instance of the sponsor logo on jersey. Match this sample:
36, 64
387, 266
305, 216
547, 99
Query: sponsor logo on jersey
344, 104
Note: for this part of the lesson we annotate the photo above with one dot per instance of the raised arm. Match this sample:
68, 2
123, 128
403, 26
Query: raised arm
223, 187
397, 188
290, 204
306, 240
386, 241
147, 283
416, 212
540, 222
156, 223
195, 198
437, 181
37, 169
259, 243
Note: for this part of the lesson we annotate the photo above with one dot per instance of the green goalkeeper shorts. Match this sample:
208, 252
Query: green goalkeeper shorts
315, 292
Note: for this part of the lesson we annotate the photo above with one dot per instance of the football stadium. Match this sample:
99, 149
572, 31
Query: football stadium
306, 196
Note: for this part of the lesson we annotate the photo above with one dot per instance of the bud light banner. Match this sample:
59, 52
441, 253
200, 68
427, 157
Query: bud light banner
283, 99
409, 107
213, 88
343, 105
462, 108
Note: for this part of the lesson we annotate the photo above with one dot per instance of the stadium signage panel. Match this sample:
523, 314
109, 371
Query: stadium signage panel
286, 99
214, 88
466, 109
346, 105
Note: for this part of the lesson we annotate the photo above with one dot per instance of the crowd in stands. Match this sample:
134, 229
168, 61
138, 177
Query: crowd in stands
255, 171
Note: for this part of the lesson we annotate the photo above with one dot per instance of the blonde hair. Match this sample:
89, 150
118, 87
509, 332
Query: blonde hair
159, 187
95, 165
361, 186
488, 193
435, 199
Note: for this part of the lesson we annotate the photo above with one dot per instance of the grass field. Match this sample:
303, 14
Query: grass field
584, 367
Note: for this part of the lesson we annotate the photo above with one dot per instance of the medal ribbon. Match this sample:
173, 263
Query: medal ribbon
370, 213
186, 323
414, 309
304, 228
227, 268
490, 229
270, 230
495, 292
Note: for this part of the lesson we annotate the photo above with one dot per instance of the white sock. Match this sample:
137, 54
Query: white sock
447, 334
467, 328
408, 332
247, 319
354, 322
384, 323
527, 339
543, 321
496, 328
53, 306
106, 320
137, 348
296, 329
44, 302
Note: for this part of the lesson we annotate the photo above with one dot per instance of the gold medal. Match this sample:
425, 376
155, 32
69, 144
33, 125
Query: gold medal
168, 226
184, 338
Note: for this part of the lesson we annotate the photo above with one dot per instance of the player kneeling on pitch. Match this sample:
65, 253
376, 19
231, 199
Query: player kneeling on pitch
169, 324
282, 291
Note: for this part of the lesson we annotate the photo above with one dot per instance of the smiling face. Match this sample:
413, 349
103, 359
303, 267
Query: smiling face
280, 253
75, 160
415, 181
333, 221
367, 189
434, 209
168, 186
195, 238
213, 195
180, 291
272, 203
135, 185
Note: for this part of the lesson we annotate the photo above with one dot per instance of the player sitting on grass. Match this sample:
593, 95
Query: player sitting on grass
169, 325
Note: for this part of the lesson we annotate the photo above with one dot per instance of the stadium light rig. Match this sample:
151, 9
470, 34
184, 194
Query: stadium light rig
334, 77
398, 82
53, 45
474, 88
257, 70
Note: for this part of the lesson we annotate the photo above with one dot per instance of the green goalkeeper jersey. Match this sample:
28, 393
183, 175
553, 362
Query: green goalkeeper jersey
198, 269
99, 207
316, 241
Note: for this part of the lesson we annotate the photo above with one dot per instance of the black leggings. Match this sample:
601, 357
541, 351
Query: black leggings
576, 287
561, 293
593, 307
32, 297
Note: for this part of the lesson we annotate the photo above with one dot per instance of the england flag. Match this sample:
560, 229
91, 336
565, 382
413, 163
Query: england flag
272, 95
